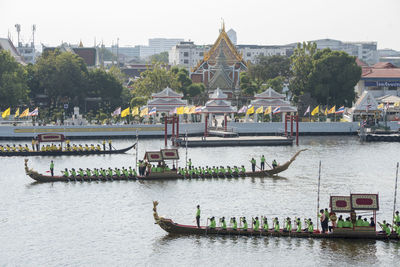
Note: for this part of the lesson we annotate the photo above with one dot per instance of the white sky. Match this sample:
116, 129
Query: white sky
264, 22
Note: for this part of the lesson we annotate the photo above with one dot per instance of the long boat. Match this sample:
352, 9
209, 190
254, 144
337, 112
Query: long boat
64, 152
361, 232
166, 175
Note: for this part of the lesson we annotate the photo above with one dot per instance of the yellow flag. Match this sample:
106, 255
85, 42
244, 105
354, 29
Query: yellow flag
125, 112
396, 104
250, 111
315, 111
144, 112
180, 110
380, 106
192, 110
332, 110
186, 110
135, 111
25, 113
6, 113
326, 111
16, 113
268, 110
259, 110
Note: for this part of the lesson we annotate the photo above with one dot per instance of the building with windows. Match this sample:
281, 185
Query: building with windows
252, 52
7, 45
160, 45
187, 54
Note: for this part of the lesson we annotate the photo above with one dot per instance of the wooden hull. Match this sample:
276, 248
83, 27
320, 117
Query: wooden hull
65, 153
173, 228
170, 175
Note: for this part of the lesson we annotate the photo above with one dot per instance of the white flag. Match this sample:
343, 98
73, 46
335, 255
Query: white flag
307, 111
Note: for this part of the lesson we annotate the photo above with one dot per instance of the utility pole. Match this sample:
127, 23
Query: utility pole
118, 52
18, 28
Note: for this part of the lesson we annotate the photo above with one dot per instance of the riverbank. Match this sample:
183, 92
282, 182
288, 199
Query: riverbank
9, 132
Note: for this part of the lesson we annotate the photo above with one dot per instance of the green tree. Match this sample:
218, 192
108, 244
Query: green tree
138, 101
302, 65
62, 76
105, 85
333, 77
154, 80
162, 57
182, 76
276, 83
269, 67
247, 86
13, 81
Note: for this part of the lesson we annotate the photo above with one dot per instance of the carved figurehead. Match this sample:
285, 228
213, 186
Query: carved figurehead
155, 214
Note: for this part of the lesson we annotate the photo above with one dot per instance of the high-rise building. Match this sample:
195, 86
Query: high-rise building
163, 44
232, 36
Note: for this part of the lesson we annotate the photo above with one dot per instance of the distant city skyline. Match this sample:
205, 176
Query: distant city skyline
266, 22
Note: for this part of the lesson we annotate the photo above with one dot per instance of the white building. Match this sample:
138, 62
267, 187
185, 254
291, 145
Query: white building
252, 52
366, 51
163, 44
232, 36
187, 54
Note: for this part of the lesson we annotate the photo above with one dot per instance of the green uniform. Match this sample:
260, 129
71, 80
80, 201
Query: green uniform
110, 172
347, 224
288, 226
262, 159
245, 225
265, 226
311, 228
298, 226
256, 225
73, 173
224, 225
213, 224
340, 224
243, 169
234, 227
396, 219
360, 222
236, 169
88, 173
276, 226
66, 174
51, 165
81, 174
96, 172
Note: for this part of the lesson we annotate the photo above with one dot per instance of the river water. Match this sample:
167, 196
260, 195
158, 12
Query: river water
111, 223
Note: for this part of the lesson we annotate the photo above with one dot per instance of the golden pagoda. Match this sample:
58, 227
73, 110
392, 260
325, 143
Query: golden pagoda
221, 66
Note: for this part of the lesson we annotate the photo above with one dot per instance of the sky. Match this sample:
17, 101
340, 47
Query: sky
262, 22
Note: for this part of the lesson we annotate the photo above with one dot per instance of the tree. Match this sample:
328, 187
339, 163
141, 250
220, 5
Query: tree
182, 76
13, 86
105, 85
333, 77
276, 83
154, 80
138, 101
246, 84
162, 57
302, 64
269, 67
62, 76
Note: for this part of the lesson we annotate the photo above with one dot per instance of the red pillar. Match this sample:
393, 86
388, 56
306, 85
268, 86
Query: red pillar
173, 130
165, 130
285, 124
205, 126
225, 123
291, 125
297, 130
177, 127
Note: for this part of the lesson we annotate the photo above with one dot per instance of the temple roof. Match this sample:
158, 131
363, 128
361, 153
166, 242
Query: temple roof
167, 101
365, 100
218, 94
167, 93
389, 99
218, 106
269, 94
285, 105
224, 44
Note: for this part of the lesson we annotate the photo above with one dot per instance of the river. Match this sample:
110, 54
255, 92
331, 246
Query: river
111, 223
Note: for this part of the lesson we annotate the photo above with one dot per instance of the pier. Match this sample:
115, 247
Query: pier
213, 141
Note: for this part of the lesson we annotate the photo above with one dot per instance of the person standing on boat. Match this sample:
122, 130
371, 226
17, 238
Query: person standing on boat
234, 224
52, 168
189, 164
298, 225
262, 162
256, 224
253, 164
223, 222
110, 144
213, 223
33, 144
274, 164
104, 145
396, 218
245, 226
198, 216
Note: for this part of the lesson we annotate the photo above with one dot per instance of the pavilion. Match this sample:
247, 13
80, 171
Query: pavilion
273, 99
366, 105
166, 101
218, 105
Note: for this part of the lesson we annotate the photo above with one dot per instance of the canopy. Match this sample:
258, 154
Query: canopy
163, 154
169, 154
51, 137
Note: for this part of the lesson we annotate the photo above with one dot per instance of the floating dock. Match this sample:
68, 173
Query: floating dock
236, 141
381, 137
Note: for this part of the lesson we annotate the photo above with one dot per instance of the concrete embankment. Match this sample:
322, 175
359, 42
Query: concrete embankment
193, 129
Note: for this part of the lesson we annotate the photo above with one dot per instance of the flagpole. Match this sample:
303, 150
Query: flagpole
186, 152
395, 192
137, 151
319, 185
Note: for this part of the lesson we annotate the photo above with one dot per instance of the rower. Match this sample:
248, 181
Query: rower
276, 224
96, 172
265, 224
310, 227
385, 228
86, 148
348, 223
213, 224
229, 170
340, 222
298, 225
262, 162
223, 223
274, 164
236, 170
65, 173
98, 148
88, 172
359, 221
73, 173
110, 172
244, 228
81, 173
117, 172
125, 172
253, 164
189, 164
256, 224
131, 174
68, 145
243, 170
365, 222
234, 224
288, 223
